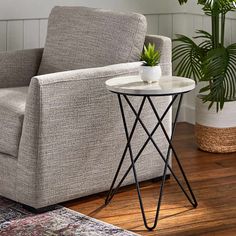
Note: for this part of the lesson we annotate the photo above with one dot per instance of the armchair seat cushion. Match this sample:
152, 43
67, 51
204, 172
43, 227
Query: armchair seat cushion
12, 109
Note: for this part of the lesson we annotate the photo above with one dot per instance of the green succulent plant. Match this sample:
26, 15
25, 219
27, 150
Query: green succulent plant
211, 60
150, 55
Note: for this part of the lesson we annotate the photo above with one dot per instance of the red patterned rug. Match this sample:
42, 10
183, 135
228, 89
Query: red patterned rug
16, 221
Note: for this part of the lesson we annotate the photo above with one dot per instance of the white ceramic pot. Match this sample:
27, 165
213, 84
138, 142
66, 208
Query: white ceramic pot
216, 132
150, 74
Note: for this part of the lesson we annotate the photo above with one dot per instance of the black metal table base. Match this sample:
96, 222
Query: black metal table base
133, 159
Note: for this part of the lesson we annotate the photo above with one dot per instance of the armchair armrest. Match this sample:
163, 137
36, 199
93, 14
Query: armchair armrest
67, 114
165, 47
18, 67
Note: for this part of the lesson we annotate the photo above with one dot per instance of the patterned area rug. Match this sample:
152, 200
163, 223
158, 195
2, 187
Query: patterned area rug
16, 221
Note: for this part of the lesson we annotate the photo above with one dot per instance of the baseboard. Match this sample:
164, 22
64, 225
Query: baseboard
186, 114
189, 114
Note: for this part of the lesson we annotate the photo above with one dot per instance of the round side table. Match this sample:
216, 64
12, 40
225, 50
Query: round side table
134, 86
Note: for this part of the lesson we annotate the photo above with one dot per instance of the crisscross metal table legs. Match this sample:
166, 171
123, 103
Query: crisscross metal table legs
129, 137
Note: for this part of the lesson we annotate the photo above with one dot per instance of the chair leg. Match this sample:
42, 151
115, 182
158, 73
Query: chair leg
158, 179
40, 210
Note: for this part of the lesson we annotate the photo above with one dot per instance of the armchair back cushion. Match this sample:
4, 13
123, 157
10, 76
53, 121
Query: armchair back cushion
81, 37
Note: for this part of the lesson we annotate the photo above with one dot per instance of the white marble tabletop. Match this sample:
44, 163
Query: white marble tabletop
133, 85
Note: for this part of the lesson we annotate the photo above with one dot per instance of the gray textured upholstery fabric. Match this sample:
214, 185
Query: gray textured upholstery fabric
8, 181
80, 37
12, 109
73, 136
18, 67
55, 142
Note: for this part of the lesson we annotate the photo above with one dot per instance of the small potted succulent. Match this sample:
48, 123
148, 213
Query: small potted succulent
151, 70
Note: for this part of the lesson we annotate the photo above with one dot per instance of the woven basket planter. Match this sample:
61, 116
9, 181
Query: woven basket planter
216, 132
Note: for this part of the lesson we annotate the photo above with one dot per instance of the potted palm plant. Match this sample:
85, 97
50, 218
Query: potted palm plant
213, 64
151, 70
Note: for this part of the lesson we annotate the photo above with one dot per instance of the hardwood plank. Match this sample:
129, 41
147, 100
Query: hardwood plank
213, 178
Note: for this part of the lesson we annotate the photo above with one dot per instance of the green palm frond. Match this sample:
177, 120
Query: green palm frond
207, 43
182, 1
219, 68
226, 5
211, 7
231, 70
210, 60
189, 56
203, 34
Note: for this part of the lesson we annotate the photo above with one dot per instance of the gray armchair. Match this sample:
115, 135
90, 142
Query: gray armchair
61, 134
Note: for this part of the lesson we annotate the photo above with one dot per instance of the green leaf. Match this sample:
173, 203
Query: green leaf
182, 1
150, 55
219, 69
189, 57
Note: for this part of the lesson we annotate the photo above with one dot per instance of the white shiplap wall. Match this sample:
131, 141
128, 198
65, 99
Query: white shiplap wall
23, 23
22, 34
31, 33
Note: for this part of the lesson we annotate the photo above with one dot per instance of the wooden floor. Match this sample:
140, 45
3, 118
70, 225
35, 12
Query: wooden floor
213, 179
